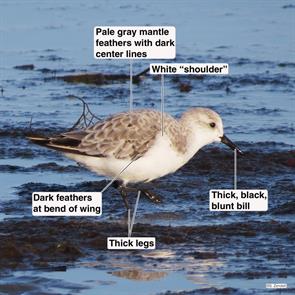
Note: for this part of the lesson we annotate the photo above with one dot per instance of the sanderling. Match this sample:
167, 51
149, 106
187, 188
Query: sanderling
140, 146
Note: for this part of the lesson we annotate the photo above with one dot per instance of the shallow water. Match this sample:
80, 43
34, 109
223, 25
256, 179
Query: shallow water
256, 101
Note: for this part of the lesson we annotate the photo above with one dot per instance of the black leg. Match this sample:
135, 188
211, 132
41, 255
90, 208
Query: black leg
123, 192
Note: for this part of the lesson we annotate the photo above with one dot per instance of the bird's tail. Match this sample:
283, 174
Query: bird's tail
59, 142
38, 139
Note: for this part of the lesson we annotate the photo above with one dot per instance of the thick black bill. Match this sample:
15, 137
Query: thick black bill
229, 143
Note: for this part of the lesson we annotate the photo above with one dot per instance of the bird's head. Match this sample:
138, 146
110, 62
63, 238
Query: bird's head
207, 127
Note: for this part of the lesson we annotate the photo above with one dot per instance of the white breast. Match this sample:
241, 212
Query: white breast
160, 160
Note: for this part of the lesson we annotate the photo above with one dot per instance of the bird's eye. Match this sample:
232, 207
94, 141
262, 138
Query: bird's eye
212, 124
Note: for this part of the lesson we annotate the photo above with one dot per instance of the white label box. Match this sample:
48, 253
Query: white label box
189, 68
276, 285
238, 200
134, 42
131, 243
66, 203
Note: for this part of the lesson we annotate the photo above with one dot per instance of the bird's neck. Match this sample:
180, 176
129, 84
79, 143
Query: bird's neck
194, 143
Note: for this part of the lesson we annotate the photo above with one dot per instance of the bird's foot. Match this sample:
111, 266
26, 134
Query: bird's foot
151, 196
123, 190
